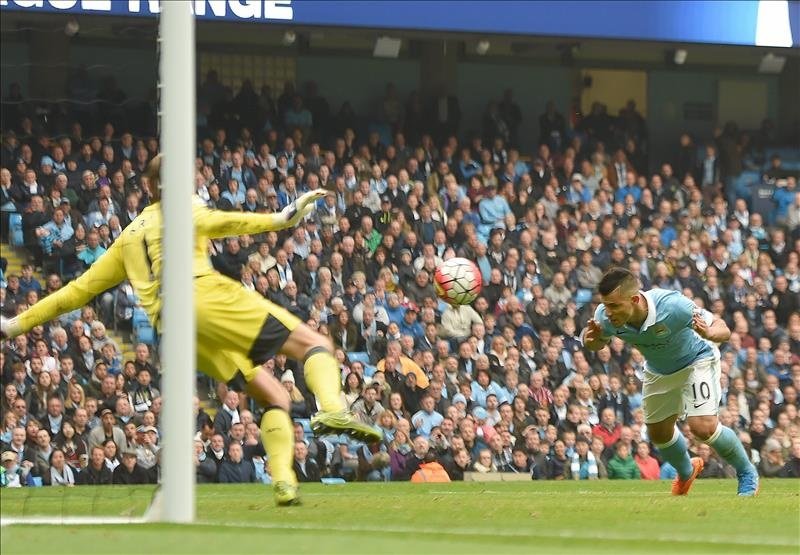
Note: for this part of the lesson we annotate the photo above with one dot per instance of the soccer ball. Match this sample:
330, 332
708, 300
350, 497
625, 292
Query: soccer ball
457, 281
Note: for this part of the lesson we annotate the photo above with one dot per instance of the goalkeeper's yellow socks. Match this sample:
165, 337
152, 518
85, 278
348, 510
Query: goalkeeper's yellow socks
322, 377
278, 437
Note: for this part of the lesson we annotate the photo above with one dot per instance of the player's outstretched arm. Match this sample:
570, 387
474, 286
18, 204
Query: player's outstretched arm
217, 224
104, 274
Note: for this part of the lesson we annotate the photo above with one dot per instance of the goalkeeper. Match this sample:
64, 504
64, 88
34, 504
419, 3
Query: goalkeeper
237, 330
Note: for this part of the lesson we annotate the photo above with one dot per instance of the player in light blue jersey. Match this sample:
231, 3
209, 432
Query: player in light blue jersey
682, 375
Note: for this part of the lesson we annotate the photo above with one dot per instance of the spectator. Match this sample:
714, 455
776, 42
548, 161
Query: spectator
216, 451
205, 467
583, 465
93, 249
61, 474
305, 468
483, 386
426, 418
228, 413
430, 470
622, 466
71, 444
648, 465
367, 407
298, 402
129, 472
234, 469
108, 429
616, 399
772, 463
792, 467
14, 475
143, 392
148, 453
96, 473
608, 429
110, 449
557, 462
41, 456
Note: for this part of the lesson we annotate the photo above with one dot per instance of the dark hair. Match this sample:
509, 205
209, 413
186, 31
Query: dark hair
53, 452
153, 175
430, 456
612, 279
205, 421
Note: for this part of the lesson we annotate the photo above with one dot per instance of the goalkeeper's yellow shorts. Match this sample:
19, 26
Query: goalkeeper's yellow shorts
237, 329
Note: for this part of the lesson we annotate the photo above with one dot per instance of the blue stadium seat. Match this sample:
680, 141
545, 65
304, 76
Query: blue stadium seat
15, 229
369, 370
583, 296
750, 176
140, 318
146, 335
306, 423
744, 183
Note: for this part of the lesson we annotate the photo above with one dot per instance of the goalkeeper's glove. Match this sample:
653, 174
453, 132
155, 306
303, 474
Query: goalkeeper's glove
301, 207
9, 327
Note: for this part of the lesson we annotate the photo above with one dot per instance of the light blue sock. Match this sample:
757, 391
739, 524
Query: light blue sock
676, 454
727, 445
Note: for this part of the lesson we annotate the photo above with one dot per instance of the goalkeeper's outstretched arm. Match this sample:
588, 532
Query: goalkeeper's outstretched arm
105, 273
217, 223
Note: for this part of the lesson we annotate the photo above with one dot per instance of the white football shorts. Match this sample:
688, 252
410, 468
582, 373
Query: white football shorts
692, 391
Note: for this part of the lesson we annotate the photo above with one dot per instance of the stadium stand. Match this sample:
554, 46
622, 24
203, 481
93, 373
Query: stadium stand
718, 221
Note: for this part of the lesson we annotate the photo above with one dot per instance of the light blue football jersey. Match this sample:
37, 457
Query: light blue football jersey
666, 339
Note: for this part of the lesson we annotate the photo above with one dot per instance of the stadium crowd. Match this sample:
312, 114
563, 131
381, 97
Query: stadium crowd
502, 386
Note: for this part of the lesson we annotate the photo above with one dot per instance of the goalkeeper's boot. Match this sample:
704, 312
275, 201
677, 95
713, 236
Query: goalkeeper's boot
344, 422
748, 483
682, 487
285, 494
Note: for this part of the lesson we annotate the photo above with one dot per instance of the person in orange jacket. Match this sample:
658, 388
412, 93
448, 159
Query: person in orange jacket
430, 471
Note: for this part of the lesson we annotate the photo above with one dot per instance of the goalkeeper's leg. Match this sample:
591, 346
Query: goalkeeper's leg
277, 434
321, 373
276, 426
265, 329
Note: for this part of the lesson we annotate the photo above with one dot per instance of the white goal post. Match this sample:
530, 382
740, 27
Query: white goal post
175, 502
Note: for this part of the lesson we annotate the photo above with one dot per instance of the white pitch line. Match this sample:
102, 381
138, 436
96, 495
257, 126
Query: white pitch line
405, 530
532, 495
70, 520
566, 534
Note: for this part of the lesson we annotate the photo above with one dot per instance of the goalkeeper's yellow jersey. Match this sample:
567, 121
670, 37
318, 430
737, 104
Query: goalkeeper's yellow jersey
137, 255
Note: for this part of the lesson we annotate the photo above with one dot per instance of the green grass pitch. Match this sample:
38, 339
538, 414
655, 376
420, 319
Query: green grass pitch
459, 518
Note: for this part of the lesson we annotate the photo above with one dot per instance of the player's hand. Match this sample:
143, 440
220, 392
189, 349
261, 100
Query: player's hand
699, 325
302, 207
593, 332
9, 328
